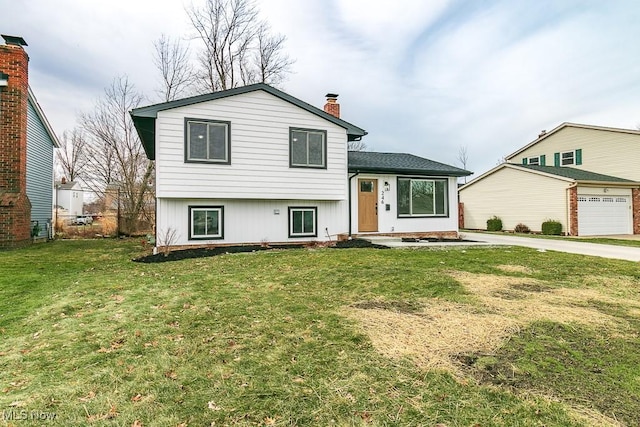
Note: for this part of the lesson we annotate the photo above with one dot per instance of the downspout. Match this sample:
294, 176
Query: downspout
350, 210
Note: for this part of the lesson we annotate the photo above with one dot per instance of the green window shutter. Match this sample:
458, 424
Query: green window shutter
543, 160
524, 160
556, 159
579, 156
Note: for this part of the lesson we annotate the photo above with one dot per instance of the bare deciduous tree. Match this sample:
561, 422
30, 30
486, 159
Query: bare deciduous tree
115, 154
359, 145
171, 57
237, 49
273, 64
463, 158
71, 156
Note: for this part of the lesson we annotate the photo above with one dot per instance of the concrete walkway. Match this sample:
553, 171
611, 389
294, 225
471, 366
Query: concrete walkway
574, 246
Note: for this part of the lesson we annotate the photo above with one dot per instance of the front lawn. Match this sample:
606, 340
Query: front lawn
459, 337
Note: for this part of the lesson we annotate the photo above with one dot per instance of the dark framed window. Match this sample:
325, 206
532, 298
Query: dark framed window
303, 221
207, 141
307, 148
534, 160
206, 222
422, 197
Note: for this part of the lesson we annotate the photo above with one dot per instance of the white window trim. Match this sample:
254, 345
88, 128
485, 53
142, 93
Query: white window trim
530, 160
227, 133
312, 209
219, 235
573, 158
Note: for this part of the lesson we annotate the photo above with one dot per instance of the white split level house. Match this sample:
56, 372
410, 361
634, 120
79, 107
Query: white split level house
255, 165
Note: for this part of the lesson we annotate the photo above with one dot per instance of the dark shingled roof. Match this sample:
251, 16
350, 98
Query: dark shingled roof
144, 118
367, 161
572, 173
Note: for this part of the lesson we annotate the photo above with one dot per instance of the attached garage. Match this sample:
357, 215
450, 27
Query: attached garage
603, 214
585, 203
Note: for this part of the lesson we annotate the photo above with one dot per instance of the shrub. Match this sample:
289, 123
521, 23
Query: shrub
552, 228
521, 228
494, 224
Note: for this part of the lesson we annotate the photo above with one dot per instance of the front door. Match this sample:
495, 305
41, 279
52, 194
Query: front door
367, 205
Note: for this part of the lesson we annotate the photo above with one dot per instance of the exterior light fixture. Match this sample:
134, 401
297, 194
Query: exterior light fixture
387, 186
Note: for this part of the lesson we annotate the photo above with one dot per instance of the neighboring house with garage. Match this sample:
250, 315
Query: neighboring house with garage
586, 177
254, 164
27, 142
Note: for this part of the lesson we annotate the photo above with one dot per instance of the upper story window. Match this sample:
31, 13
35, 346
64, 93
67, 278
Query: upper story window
567, 158
535, 160
422, 197
207, 141
307, 148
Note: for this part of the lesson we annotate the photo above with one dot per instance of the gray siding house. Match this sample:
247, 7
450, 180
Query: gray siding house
41, 140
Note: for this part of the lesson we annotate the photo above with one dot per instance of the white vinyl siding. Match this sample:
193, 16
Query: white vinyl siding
259, 146
388, 219
251, 221
606, 152
515, 196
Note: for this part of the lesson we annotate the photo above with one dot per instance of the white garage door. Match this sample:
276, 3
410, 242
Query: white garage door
602, 215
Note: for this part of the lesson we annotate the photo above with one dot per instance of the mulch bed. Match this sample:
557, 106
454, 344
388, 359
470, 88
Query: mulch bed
222, 250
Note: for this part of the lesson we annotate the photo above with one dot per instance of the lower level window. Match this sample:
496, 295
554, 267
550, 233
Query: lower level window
422, 197
205, 222
303, 222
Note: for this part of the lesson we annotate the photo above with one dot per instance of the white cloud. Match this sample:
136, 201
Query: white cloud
421, 77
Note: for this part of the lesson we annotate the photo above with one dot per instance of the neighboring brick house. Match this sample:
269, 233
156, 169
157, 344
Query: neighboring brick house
26, 152
586, 177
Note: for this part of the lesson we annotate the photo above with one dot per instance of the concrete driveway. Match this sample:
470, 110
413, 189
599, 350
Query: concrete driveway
570, 246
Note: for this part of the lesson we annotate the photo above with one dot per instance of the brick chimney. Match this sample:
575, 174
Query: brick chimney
15, 207
332, 107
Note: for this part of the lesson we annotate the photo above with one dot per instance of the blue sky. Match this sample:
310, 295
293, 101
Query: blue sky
424, 77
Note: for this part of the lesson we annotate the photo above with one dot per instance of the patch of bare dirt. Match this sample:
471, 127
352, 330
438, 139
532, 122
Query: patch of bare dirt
442, 335
437, 332
508, 268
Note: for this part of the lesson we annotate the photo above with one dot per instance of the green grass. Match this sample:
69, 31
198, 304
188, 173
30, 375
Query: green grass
261, 339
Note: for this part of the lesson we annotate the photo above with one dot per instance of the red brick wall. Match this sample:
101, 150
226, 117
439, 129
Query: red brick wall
15, 208
635, 199
333, 108
573, 211
460, 215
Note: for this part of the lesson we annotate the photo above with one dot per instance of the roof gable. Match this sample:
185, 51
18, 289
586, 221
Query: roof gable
144, 117
569, 125
368, 161
574, 174
563, 173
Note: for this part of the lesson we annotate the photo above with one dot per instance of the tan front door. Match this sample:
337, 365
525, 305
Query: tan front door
367, 205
